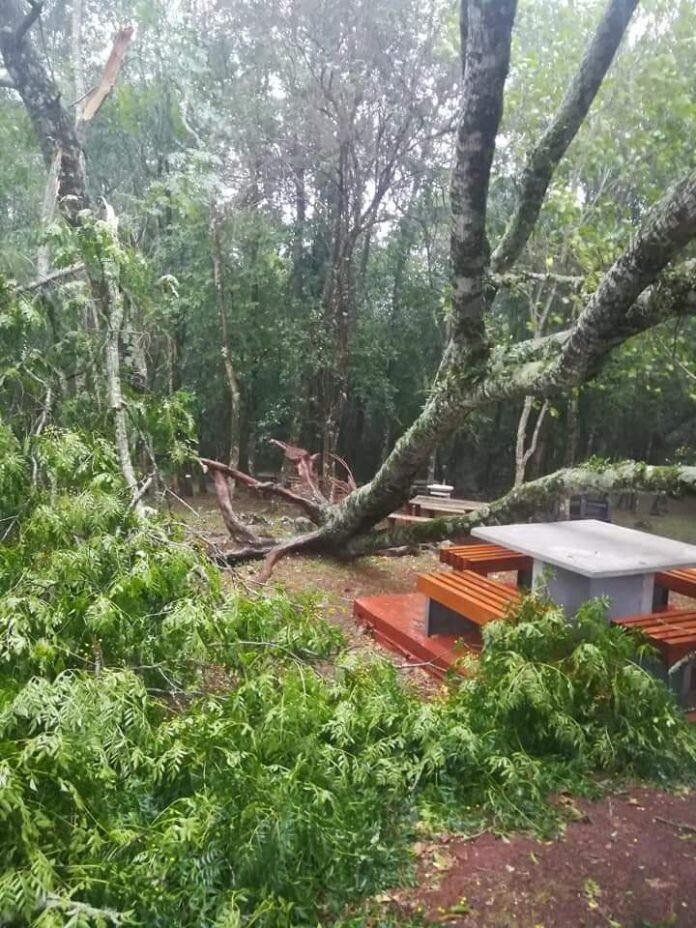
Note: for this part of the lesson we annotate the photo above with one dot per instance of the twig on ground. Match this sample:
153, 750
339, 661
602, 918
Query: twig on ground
683, 826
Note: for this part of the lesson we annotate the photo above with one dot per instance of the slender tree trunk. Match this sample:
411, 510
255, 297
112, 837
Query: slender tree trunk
230, 373
523, 455
104, 280
572, 429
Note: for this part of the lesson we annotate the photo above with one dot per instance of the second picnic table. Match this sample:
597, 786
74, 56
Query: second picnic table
577, 561
435, 505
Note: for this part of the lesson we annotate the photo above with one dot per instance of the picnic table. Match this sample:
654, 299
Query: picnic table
577, 561
434, 505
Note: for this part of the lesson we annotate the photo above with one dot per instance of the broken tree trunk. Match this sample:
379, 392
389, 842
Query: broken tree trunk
62, 149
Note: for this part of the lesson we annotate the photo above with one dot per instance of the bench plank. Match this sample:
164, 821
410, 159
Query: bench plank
673, 633
681, 580
469, 594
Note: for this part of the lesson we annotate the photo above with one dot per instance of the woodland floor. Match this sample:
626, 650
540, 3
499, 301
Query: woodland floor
625, 861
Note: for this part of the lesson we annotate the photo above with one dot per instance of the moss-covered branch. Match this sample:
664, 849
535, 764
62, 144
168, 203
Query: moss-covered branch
561, 131
537, 500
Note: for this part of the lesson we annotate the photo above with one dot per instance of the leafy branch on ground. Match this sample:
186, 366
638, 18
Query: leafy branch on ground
171, 754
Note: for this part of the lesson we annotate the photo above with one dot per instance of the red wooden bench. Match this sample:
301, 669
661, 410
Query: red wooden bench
487, 559
464, 595
672, 633
682, 580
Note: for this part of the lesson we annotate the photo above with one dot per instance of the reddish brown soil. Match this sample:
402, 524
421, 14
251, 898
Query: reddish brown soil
626, 862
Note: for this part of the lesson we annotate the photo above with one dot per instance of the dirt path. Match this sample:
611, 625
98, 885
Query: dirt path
624, 863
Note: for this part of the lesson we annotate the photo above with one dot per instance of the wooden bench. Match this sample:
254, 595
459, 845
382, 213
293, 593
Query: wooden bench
403, 518
487, 559
437, 506
673, 635
682, 580
457, 597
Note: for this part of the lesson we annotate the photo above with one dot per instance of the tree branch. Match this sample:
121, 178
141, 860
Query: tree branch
544, 158
234, 525
95, 98
29, 20
486, 57
535, 500
48, 279
616, 310
314, 512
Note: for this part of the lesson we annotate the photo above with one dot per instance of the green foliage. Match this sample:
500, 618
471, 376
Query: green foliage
173, 755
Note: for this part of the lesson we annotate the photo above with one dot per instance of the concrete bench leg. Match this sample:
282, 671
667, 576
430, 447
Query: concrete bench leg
660, 597
524, 578
440, 620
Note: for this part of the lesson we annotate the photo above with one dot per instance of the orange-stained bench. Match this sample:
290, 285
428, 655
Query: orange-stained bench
487, 559
672, 633
682, 580
458, 597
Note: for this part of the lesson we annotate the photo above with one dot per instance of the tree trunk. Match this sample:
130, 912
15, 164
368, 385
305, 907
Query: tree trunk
104, 280
230, 372
98, 243
524, 455
572, 429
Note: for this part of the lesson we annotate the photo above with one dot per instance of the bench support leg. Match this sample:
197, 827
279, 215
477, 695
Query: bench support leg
440, 620
660, 597
524, 578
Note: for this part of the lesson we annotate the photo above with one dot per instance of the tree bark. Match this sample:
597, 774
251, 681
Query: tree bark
523, 455
230, 372
98, 243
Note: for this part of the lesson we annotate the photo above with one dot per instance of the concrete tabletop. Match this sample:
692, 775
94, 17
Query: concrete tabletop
592, 548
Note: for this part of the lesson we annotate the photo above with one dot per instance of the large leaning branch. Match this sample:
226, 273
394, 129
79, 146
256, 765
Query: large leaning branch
535, 500
546, 155
613, 313
534, 365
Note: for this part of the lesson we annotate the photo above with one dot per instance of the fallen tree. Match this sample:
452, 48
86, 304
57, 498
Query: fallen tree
640, 290
535, 500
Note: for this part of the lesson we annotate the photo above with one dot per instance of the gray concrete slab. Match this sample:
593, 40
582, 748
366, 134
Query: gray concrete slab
591, 548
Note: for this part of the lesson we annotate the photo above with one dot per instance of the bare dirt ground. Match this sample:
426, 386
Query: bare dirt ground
626, 861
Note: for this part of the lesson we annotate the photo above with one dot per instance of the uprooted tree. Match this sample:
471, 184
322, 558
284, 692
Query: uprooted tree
644, 287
